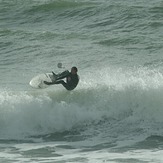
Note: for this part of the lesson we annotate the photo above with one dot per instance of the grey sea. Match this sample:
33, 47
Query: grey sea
115, 115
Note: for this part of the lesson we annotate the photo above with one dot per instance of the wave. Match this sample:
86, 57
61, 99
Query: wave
56, 5
132, 99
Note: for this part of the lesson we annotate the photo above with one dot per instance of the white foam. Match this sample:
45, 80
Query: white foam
132, 97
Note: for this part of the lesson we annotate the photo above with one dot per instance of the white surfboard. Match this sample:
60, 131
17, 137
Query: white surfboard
38, 81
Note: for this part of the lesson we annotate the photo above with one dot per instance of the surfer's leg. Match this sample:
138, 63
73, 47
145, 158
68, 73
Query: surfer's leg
56, 82
49, 83
60, 82
63, 83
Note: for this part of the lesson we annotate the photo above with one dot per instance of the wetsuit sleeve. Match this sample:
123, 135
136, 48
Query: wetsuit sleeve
63, 75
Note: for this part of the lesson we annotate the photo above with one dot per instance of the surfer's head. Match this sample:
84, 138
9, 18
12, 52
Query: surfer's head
74, 70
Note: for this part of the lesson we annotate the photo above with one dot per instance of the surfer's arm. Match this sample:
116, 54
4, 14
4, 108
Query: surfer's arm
63, 75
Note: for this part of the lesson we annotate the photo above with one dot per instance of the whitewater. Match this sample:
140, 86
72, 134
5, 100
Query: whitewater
115, 113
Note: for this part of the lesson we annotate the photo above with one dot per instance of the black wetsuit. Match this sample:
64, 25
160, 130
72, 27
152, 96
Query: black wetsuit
69, 84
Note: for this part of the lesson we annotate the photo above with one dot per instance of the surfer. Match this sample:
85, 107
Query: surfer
72, 79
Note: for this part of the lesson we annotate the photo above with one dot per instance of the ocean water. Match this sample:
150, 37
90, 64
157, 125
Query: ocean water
115, 114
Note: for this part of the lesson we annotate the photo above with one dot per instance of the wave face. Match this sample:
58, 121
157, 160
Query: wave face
115, 113
128, 101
